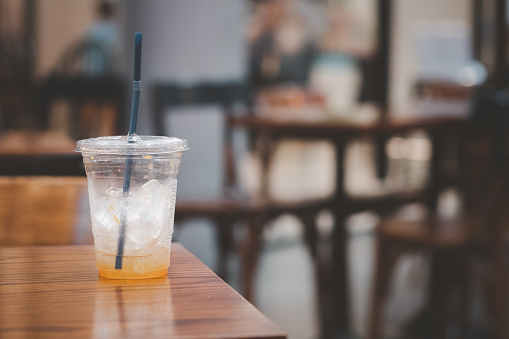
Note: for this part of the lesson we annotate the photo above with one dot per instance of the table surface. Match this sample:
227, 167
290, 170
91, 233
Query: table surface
39, 153
55, 292
36, 143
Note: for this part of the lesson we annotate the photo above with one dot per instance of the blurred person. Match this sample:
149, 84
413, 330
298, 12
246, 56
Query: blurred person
281, 38
305, 54
104, 35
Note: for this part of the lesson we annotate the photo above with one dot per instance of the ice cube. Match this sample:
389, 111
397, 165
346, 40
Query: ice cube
106, 219
145, 205
145, 211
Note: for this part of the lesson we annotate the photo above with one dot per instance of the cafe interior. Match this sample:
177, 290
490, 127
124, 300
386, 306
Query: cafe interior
347, 169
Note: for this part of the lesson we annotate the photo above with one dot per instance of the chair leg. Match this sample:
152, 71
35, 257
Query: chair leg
249, 257
440, 283
464, 297
385, 260
450, 273
500, 292
339, 302
310, 233
225, 243
320, 265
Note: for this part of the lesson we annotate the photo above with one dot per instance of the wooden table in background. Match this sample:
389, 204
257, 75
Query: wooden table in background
55, 292
275, 126
39, 153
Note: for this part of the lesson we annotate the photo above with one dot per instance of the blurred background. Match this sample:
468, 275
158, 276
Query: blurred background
380, 123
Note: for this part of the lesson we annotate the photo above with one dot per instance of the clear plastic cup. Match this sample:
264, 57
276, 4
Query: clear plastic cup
132, 226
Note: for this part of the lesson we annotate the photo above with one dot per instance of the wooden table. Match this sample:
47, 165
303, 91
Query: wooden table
326, 127
55, 292
39, 153
339, 132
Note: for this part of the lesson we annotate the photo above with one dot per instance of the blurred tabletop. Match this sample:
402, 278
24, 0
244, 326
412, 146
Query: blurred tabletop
315, 125
35, 142
39, 153
55, 292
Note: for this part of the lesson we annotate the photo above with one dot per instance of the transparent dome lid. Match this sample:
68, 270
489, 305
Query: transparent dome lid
134, 144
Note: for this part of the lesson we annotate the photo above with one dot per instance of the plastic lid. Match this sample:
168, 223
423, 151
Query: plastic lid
135, 144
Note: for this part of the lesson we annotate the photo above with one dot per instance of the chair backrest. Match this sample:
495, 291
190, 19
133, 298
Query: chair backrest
485, 187
94, 93
42, 187
166, 95
226, 95
43, 211
86, 58
16, 83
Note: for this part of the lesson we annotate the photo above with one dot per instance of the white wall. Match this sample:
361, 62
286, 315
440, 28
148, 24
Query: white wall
188, 41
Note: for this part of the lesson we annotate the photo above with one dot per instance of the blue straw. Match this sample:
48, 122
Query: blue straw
132, 131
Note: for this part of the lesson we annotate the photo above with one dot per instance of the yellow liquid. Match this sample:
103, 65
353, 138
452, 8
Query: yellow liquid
133, 267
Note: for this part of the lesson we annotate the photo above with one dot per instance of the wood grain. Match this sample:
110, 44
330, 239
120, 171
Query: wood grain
55, 292
42, 211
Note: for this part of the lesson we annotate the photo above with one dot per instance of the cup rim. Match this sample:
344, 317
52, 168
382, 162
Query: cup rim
134, 144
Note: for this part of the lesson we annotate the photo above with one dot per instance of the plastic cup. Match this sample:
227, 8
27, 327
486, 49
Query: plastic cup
146, 210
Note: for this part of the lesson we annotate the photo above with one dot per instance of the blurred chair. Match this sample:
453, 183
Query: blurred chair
42, 211
16, 87
42, 185
83, 96
453, 243
491, 249
233, 206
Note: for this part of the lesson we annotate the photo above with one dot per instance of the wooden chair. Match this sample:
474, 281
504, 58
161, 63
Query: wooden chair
454, 244
42, 211
42, 182
32, 153
492, 249
233, 206
16, 76
494, 252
